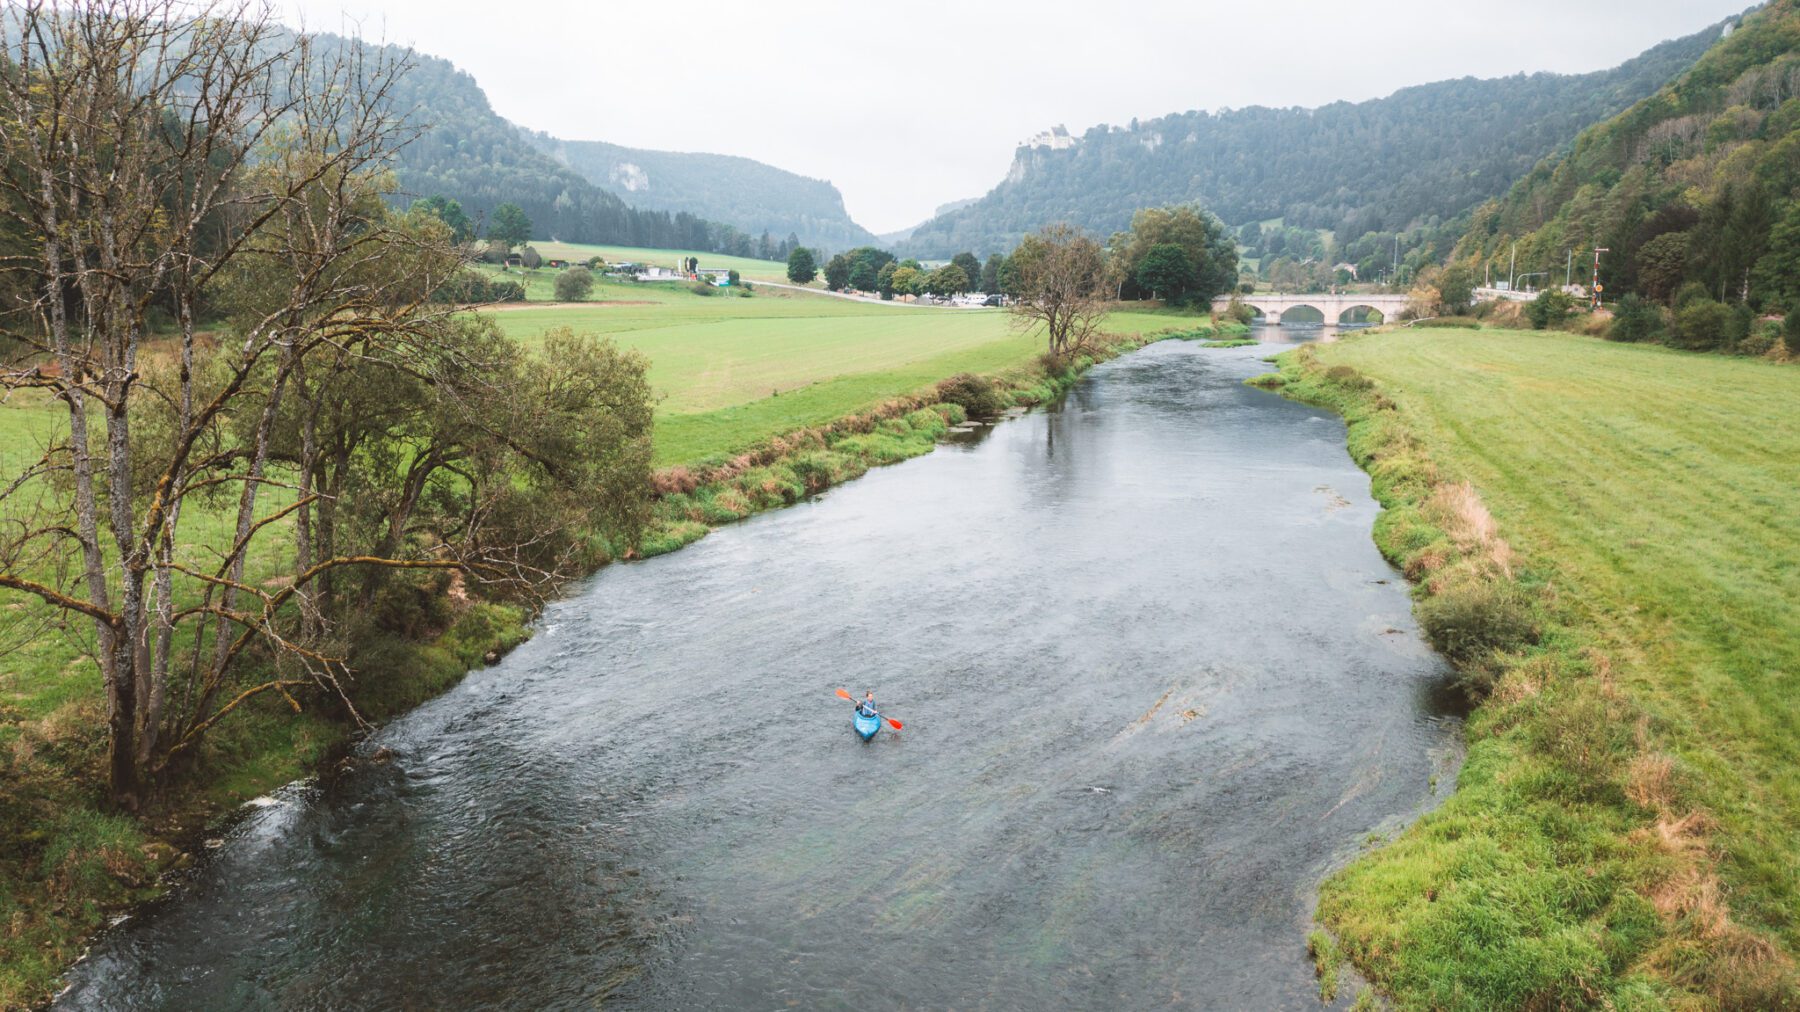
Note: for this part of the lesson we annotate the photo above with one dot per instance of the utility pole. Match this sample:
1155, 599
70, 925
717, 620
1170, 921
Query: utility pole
1569, 271
1511, 261
1594, 292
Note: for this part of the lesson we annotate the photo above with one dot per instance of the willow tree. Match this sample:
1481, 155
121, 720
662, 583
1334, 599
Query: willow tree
202, 251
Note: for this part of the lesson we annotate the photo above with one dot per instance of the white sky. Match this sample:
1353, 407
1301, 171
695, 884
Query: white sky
908, 106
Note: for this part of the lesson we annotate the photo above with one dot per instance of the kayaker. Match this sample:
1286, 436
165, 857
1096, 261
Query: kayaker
867, 706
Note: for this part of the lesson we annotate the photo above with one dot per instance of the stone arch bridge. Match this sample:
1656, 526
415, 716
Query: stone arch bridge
1334, 307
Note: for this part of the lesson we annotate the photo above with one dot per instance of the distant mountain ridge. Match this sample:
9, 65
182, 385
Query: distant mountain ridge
467, 152
1425, 152
747, 194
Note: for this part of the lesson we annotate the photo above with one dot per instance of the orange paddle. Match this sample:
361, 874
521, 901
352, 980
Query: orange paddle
896, 724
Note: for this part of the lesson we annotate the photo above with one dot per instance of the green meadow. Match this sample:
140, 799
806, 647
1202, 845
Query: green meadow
734, 371
1628, 818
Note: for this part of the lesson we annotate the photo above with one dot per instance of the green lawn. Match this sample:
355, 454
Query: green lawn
1653, 495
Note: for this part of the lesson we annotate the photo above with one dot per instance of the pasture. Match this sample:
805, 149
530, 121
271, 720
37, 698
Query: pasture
1649, 496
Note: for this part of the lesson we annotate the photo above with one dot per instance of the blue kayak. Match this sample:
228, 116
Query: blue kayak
866, 726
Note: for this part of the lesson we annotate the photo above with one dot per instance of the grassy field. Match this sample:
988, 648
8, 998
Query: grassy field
733, 371
1626, 830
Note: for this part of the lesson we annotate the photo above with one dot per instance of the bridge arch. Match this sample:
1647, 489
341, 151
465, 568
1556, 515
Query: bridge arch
1362, 314
1303, 314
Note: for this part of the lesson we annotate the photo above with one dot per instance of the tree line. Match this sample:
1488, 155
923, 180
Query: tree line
1181, 255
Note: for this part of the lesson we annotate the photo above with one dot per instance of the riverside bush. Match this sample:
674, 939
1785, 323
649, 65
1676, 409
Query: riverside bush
1348, 378
1470, 619
977, 395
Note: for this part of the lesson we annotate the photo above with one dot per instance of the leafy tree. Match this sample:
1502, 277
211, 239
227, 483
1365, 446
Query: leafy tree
905, 280
1790, 334
970, 266
1165, 270
574, 284
946, 281
884, 280
1661, 263
449, 212
990, 274
837, 273
865, 263
509, 226
1777, 273
1456, 289
1211, 249
801, 266
530, 258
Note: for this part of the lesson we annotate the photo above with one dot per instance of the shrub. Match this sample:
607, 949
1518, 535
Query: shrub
530, 258
976, 395
1702, 324
702, 288
1350, 379
574, 284
1760, 341
1472, 618
1636, 319
1550, 308
1790, 334
1462, 322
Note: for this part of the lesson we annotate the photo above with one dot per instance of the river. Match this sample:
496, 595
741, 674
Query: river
1156, 682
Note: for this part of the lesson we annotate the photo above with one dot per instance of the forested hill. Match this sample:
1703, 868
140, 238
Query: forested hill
1697, 183
1431, 151
755, 197
470, 154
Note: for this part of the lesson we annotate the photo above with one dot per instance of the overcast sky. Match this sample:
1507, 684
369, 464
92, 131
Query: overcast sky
908, 106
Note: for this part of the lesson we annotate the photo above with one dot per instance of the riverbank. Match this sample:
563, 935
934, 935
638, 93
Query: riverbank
1615, 582
77, 865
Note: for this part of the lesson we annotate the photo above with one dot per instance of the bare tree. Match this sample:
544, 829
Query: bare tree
1061, 283
180, 158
